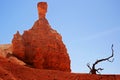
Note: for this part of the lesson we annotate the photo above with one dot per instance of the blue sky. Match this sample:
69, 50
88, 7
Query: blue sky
88, 28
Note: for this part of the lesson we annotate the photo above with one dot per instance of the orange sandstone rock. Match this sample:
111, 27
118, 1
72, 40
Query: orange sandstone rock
18, 50
41, 46
42, 9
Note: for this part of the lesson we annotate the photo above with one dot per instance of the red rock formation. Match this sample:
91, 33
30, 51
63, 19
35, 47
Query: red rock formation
12, 71
42, 46
18, 49
42, 9
5, 49
6, 52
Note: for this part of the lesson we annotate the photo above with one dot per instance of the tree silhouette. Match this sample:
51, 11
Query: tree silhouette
93, 70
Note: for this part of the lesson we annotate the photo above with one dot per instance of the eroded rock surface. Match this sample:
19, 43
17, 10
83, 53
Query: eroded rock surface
41, 46
5, 49
12, 71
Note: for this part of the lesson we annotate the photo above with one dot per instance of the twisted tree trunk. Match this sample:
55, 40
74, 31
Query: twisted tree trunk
93, 70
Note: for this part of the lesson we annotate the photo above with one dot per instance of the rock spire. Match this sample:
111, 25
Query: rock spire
42, 9
41, 46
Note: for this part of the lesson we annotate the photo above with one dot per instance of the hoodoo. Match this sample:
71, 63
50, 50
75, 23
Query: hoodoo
41, 46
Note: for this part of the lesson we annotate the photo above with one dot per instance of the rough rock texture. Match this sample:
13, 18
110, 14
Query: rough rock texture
18, 46
42, 9
12, 71
6, 52
41, 46
5, 49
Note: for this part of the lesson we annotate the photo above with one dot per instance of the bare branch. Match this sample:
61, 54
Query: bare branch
100, 69
111, 60
93, 70
88, 65
105, 59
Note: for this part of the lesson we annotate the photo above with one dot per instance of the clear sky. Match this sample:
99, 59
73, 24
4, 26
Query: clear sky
88, 28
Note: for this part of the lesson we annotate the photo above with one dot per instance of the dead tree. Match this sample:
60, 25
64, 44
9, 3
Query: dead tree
93, 70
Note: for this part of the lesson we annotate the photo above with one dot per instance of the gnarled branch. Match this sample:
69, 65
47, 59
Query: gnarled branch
93, 70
